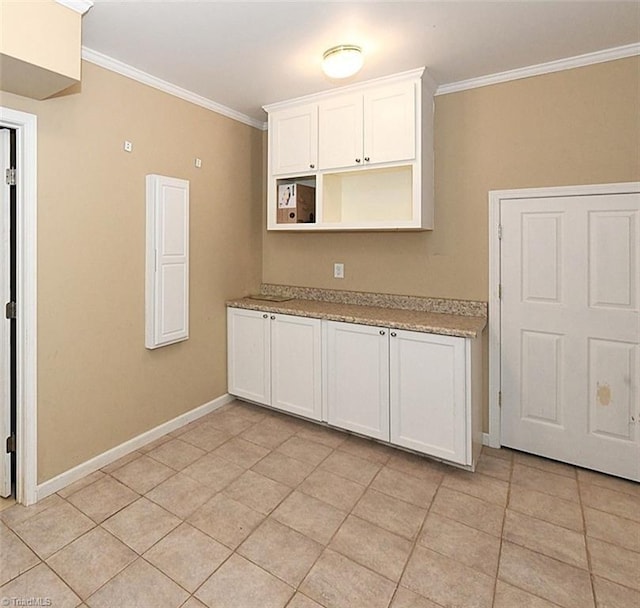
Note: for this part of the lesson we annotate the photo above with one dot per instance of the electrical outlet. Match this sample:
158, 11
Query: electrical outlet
128, 146
338, 271
198, 163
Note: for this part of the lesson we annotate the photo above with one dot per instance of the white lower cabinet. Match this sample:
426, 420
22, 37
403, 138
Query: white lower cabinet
358, 378
427, 377
249, 354
275, 360
413, 389
416, 390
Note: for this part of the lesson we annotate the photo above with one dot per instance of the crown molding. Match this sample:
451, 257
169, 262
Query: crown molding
79, 6
129, 71
358, 86
569, 63
109, 63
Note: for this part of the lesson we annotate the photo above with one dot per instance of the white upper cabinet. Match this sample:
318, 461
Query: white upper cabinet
366, 150
294, 140
390, 123
340, 131
377, 126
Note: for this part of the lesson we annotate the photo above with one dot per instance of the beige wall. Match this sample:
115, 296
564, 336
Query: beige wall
578, 126
97, 384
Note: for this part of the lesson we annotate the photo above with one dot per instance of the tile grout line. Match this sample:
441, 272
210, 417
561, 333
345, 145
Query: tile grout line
368, 486
586, 544
415, 544
504, 522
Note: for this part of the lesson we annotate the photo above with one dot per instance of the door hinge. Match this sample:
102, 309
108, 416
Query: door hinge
499, 398
10, 177
499, 232
500, 291
10, 310
11, 444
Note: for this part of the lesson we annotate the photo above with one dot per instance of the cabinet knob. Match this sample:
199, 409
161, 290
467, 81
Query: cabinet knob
393, 334
312, 166
273, 317
366, 159
382, 332
357, 160
265, 316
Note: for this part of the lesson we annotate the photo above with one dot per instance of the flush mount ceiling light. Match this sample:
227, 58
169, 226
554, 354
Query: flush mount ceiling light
342, 61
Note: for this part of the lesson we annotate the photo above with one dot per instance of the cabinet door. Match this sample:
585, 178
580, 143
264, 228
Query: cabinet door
358, 378
167, 261
340, 132
428, 394
296, 353
390, 123
249, 355
294, 140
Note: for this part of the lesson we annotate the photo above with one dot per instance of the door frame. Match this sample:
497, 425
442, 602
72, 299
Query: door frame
26, 318
496, 199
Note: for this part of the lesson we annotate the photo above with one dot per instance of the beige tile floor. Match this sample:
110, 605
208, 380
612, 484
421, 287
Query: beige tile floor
247, 508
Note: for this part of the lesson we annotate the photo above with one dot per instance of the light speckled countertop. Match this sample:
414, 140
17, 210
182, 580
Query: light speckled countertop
464, 326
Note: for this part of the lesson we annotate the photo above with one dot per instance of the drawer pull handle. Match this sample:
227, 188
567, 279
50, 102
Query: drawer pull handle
366, 159
312, 166
357, 160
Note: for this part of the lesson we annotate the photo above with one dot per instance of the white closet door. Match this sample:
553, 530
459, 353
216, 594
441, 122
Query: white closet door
167, 294
570, 329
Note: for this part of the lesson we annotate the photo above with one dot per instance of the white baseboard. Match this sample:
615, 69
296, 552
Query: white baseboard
102, 460
486, 439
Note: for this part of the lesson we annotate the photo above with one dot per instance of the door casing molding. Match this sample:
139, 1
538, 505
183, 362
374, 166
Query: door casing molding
26, 318
496, 199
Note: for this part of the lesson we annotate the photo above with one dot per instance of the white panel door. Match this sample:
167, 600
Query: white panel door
294, 140
5, 327
428, 394
296, 352
390, 123
358, 378
570, 360
249, 355
340, 132
167, 296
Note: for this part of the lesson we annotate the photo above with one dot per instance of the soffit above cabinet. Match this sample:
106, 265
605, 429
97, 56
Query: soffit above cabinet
40, 46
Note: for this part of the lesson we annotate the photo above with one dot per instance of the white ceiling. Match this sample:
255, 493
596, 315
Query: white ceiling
247, 54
